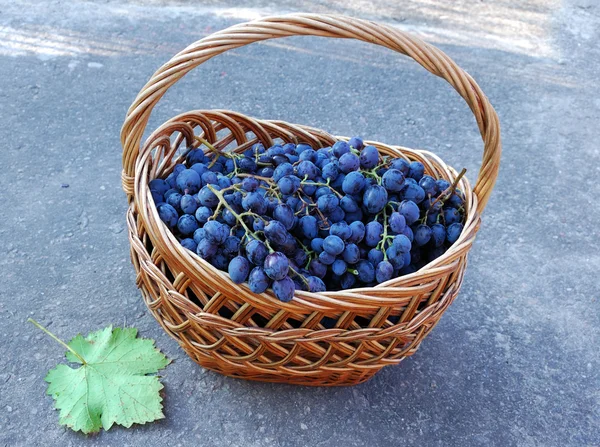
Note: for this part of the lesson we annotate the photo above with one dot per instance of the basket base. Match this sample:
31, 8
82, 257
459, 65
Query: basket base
322, 377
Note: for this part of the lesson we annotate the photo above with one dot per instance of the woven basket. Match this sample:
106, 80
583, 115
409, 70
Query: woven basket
225, 327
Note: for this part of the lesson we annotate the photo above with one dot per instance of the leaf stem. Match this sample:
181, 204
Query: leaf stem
75, 353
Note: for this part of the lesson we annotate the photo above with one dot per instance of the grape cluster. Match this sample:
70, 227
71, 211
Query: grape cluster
294, 218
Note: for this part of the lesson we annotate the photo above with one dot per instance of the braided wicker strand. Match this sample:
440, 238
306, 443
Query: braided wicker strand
224, 326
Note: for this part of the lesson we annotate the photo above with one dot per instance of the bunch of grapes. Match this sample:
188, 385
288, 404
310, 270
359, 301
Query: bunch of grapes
294, 218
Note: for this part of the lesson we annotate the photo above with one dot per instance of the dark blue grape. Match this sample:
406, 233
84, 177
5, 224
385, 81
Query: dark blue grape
401, 165
172, 180
188, 204
351, 254
282, 170
369, 157
327, 203
340, 148
284, 214
339, 267
438, 234
255, 202
195, 156
207, 197
373, 232
410, 211
258, 281
451, 215
422, 235
188, 181
413, 192
384, 271
203, 214
276, 265
356, 143
308, 155
402, 242
199, 234
455, 201
302, 147
209, 178
416, 170
442, 185
397, 222
347, 281
308, 227
258, 224
366, 271
169, 192
354, 183
316, 244
206, 249
375, 198
168, 215
349, 162
393, 180
247, 164
276, 232
337, 215
216, 232
276, 149
238, 269
331, 170
428, 184
375, 256
175, 201
307, 170
333, 245
187, 224
341, 229
288, 184
395, 256
358, 231
284, 289
250, 184
256, 251
317, 268
159, 186
348, 204
453, 232
408, 233
326, 258
315, 284
190, 244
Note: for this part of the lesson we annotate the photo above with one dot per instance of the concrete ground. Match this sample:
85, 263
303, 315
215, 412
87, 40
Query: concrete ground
513, 362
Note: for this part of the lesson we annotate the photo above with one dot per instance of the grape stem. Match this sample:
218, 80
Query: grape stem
55, 338
449, 190
223, 202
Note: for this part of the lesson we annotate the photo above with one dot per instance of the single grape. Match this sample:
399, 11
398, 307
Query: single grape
195, 156
209, 178
207, 197
316, 244
255, 203
348, 203
428, 184
284, 214
339, 267
187, 224
276, 265
168, 215
333, 245
250, 184
238, 269
206, 249
308, 227
366, 271
288, 184
402, 242
438, 234
231, 246
453, 232
373, 232
393, 180
199, 234
188, 181
422, 235
159, 186
275, 232
410, 211
401, 165
175, 201
369, 157
188, 204
442, 185
375, 256
375, 198
416, 170
331, 171
282, 170
358, 231
315, 284
258, 281
190, 244
307, 170
202, 214
256, 251
327, 203
340, 148
216, 232
397, 222
354, 183
351, 254
349, 162
326, 258
451, 215
341, 229
356, 143
317, 268
347, 281
284, 289
384, 271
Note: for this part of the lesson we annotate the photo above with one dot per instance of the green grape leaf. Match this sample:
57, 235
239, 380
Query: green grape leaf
111, 386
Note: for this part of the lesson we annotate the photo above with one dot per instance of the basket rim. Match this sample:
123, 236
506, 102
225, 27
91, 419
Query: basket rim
421, 281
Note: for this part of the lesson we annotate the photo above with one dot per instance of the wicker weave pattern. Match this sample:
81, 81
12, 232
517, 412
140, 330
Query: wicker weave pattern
225, 327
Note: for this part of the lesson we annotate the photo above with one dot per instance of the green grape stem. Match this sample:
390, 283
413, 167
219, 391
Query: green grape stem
58, 340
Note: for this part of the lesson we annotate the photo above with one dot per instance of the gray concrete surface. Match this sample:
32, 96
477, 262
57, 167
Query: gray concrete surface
514, 361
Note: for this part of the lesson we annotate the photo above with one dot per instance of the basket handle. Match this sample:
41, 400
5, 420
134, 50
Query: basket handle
431, 58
